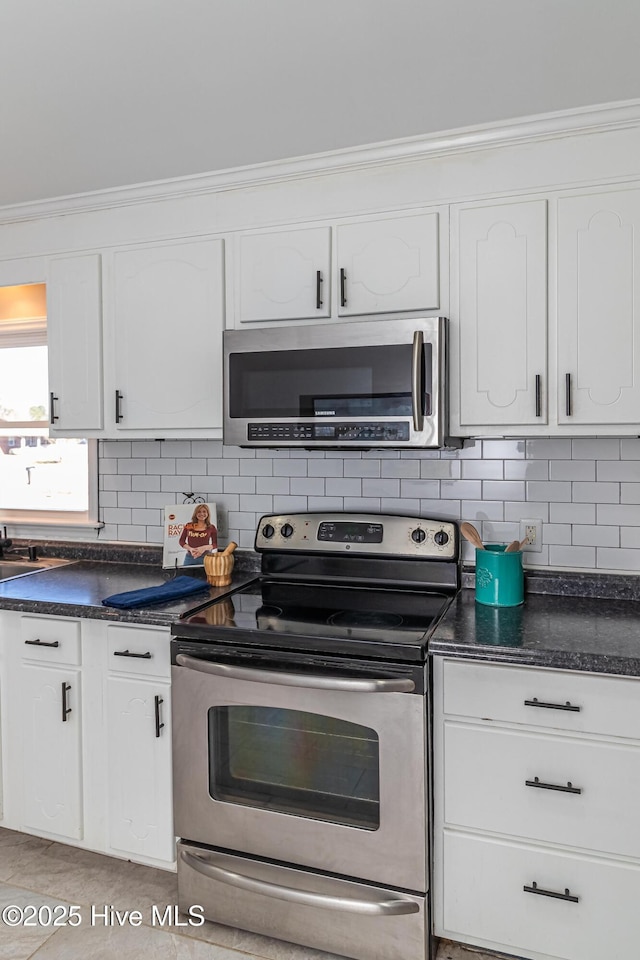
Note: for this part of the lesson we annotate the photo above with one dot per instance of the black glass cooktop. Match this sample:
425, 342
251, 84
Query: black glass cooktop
369, 621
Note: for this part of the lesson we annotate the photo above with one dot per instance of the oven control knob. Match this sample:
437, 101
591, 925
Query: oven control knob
418, 535
268, 531
286, 530
441, 538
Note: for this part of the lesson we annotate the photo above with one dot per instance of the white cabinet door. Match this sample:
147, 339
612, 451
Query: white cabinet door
51, 757
140, 804
74, 333
599, 308
499, 299
387, 265
166, 338
283, 276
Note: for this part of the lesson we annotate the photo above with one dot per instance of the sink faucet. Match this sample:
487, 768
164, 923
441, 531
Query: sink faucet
6, 544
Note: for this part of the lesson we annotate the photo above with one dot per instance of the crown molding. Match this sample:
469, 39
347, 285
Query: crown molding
579, 121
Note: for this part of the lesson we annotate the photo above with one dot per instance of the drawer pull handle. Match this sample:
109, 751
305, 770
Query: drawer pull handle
552, 706
159, 726
42, 643
126, 653
65, 709
536, 782
534, 888
343, 287
318, 289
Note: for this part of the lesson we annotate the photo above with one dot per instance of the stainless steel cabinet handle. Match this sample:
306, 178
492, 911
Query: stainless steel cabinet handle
318, 289
343, 287
536, 782
534, 888
572, 708
416, 380
394, 906
399, 685
538, 395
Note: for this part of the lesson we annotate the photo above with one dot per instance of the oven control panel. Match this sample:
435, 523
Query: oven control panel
374, 534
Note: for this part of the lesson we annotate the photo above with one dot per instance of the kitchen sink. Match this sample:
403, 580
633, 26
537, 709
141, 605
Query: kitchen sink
18, 568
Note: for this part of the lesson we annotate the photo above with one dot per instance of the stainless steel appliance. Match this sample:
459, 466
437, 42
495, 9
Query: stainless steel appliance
300, 726
371, 383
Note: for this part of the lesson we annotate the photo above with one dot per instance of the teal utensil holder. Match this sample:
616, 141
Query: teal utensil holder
499, 576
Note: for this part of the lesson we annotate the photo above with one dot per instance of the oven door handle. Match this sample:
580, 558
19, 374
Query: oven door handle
391, 907
354, 685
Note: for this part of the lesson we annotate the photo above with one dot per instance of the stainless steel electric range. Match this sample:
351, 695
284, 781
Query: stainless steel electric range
300, 735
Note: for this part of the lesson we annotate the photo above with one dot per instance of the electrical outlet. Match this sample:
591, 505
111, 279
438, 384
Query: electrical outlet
532, 530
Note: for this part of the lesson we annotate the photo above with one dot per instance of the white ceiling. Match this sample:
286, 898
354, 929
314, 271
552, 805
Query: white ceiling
104, 94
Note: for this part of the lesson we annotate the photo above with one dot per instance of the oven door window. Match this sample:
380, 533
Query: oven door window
289, 761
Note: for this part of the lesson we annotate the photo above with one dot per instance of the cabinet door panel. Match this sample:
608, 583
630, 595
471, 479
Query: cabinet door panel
51, 751
502, 313
74, 332
140, 814
276, 275
389, 264
598, 308
168, 319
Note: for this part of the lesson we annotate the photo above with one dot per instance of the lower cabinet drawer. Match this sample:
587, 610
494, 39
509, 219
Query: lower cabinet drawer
485, 900
144, 651
578, 793
50, 639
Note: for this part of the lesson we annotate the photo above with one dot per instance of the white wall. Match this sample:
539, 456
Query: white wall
114, 93
586, 492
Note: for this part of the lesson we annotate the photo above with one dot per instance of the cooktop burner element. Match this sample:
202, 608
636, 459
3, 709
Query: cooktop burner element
329, 585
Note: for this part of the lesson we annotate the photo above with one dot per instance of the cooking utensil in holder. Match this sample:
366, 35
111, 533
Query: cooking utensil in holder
499, 576
219, 566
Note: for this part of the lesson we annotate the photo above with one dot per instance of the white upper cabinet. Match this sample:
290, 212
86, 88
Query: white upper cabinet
166, 315
599, 309
74, 334
499, 303
284, 276
388, 265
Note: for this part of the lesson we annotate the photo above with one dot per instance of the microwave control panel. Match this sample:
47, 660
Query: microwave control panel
335, 432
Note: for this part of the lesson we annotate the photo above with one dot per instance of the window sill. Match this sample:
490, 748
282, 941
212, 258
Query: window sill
45, 529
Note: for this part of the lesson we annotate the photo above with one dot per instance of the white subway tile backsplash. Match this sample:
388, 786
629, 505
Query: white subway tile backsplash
586, 491
630, 449
362, 468
380, 488
482, 469
561, 556
572, 513
609, 559
549, 449
630, 493
595, 449
620, 470
572, 470
503, 490
623, 514
461, 489
589, 535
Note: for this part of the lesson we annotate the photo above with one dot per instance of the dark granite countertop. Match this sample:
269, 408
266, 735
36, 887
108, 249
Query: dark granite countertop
78, 588
598, 635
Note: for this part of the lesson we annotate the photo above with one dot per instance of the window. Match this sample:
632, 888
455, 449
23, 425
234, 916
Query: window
43, 479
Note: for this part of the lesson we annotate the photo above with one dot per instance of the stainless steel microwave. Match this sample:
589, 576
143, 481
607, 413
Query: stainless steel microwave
352, 385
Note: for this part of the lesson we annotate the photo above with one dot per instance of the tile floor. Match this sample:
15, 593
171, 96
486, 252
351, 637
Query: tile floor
36, 873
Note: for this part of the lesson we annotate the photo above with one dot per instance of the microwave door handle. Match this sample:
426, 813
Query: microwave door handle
416, 381
391, 906
231, 672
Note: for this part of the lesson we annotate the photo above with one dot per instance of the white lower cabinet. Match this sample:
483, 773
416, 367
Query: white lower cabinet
86, 734
536, 833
